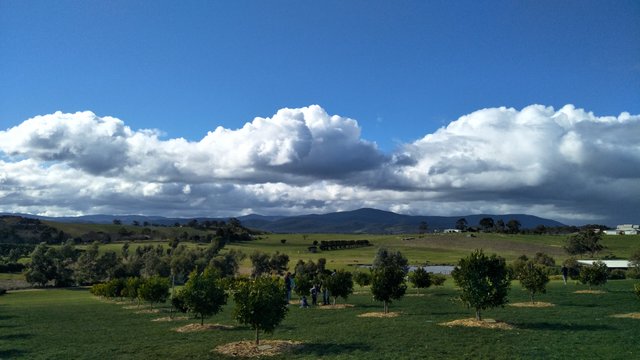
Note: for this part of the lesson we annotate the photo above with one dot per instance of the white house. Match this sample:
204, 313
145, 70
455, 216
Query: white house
448, 231
625, 229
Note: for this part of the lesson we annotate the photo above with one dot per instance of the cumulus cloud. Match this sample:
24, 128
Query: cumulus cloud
567, 164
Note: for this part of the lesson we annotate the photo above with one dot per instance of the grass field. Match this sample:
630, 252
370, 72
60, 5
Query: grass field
72, 324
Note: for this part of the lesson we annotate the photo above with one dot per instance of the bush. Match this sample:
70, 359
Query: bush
362, 278
99, 289
438, 279
3, 291
617, 274
594, 275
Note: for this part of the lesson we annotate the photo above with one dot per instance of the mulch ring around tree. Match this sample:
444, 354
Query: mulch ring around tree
204, 327
148, 311
266, 348
336, 306
537, 304
169, 318
627, 316
589, 292
379, 315
485, 324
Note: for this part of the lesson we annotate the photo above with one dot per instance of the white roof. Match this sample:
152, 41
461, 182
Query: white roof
609, 263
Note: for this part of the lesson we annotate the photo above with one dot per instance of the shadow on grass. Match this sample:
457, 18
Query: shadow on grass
332, 349
15, 337
11, 353
563, 327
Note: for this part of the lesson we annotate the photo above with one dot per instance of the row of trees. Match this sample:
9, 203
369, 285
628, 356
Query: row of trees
67, 265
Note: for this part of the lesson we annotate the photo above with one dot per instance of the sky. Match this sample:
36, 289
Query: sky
212, 108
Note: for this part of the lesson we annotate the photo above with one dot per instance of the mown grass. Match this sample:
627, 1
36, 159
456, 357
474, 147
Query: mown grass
65, 324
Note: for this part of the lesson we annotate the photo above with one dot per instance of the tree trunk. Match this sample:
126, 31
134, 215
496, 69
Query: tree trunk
386, 307
201, 319
257, 337
334, 300
478, 316
531, 296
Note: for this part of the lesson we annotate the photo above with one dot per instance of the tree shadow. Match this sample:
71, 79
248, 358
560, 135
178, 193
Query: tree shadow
15, 337
563, 327
11, 353
332, 349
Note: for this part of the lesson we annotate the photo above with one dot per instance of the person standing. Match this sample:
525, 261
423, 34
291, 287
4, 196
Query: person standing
565, 273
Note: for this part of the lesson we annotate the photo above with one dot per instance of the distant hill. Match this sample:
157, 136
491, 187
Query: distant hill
375, 221
365, 220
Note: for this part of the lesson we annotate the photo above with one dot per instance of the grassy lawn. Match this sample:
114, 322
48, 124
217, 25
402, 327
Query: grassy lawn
72, 324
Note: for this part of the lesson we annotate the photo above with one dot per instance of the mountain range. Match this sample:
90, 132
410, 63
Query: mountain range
366, 220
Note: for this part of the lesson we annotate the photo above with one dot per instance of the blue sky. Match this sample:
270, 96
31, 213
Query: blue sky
402, 70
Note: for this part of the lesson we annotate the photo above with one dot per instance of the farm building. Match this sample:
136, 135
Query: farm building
449, 231
611, 264
625, 229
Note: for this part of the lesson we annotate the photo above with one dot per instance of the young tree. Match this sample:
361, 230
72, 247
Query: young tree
636, 290
634, 265
260, 303
204, 294
387, 277
154, 290
513, 226
132, 285
362, 278
594, 275
339, 284
423, 228
484, 281
534, 278
260, 263
420, 278
586, 241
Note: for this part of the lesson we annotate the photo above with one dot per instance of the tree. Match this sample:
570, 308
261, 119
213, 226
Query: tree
594, 275
634, 265
260, 263
513, 226
544, 259
636, 290
586, 241
154, 290
420, 278
423, 227
461, 224
500, 226
484, 281
279, 263
362, 278
42, 268
534, 278
387, 277
339, 284
260, 303
204, 294
486, 224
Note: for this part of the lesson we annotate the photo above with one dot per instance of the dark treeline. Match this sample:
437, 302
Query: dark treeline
343, 244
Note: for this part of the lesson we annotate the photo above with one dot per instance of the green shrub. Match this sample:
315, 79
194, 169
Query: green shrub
617, 274
594, 275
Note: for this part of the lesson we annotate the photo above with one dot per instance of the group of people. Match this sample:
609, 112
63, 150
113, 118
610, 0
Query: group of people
316, 289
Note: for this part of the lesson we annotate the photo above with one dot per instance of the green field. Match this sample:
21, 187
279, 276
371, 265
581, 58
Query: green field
72, 324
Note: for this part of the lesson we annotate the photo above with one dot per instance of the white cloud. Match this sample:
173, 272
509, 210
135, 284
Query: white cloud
567, 164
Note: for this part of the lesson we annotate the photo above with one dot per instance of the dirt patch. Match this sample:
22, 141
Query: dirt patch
537, 304
130, 307
204, 327
379, 315
148, 311
627, 316
589, 292
266, 348
169, 318
486, 324
336, 306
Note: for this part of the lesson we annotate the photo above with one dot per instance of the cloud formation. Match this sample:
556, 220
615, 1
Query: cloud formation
566, 164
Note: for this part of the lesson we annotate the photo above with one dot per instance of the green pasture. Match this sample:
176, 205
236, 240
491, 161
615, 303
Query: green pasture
72, 324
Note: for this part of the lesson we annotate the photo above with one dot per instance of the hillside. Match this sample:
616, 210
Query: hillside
373, 221
361, 221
